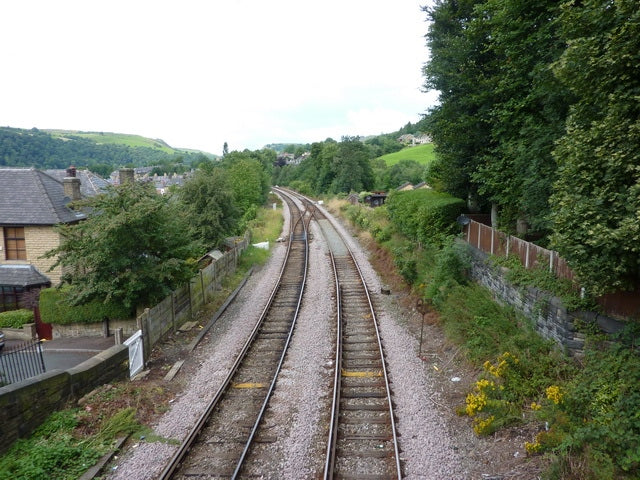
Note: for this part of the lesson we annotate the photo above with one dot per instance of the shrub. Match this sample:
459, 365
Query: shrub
55, 309
425, 216
15, 318
452, 265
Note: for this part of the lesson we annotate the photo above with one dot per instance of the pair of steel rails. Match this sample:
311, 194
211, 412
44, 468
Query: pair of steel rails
349, 453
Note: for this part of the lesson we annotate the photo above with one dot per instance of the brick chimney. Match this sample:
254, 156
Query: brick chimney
126, 175
71, 184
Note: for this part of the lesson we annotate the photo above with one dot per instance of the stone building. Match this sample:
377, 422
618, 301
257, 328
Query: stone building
31, 204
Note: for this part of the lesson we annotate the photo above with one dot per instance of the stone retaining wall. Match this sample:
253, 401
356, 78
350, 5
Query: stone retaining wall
100, 329
549, 316
25, 405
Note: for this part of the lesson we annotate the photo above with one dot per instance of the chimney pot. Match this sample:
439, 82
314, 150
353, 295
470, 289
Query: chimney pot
126, 175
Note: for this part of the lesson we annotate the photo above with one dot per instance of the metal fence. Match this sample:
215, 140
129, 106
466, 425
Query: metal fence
20, 363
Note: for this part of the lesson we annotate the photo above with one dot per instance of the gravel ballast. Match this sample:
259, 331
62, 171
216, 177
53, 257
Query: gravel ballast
431, 445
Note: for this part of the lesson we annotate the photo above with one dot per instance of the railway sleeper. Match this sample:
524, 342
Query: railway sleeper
351, 394
375, 407
372, 452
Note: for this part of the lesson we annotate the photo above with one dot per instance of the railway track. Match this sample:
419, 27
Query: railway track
362, 441
224, 434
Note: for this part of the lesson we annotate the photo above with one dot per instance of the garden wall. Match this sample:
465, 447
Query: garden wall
25, 405
549, 316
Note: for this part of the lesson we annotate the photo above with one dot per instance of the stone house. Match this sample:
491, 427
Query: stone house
31, 204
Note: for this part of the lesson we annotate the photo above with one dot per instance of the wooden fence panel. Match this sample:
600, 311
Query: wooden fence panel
492, 241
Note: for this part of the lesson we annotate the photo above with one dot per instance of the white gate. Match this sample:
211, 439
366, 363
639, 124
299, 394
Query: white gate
136, 358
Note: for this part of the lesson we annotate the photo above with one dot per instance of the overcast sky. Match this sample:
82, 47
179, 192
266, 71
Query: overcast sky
198, 73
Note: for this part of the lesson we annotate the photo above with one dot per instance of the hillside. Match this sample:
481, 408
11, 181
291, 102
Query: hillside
423, 154
105, 138
101, 152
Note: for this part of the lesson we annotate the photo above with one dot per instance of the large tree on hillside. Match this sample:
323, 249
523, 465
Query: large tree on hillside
249, 181
596, 204
132, 248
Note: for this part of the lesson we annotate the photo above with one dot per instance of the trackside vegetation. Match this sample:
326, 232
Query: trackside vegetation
72, 440
585, 410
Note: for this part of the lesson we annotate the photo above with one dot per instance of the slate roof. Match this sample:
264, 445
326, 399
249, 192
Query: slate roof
90, 183
31, 197
21, 276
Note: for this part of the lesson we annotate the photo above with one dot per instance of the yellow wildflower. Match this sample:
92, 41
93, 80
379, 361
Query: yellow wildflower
554, 394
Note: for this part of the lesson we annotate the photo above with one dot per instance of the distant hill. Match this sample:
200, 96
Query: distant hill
99, 151
423, 154
104, 138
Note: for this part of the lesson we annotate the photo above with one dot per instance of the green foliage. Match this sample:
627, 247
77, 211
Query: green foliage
451, 269
51, 452
16, 318
460, 69
332, 167
132, 249
596, 204
248, 178
55, 308
528, 108
596, 419
208, 202
425, 216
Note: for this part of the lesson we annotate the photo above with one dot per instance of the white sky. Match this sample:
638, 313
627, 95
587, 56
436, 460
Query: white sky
199, 73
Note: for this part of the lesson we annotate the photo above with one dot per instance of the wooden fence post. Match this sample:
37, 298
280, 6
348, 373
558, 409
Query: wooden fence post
204, 299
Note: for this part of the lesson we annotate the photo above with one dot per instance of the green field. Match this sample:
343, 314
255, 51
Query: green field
423, 154
115, 138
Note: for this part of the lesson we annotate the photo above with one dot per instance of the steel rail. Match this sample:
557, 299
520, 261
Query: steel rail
330, 460
284, 352
191, 438
333, 424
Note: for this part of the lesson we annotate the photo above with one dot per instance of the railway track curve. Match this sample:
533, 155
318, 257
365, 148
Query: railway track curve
222, 438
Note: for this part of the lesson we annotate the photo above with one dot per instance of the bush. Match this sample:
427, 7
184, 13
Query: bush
425, 216
15, 318
452, 265
55, 309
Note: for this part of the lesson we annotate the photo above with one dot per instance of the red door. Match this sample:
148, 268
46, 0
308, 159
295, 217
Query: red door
44, 330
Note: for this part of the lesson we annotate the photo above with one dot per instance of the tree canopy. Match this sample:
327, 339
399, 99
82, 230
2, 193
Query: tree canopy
596, 201
538, 114
132, 248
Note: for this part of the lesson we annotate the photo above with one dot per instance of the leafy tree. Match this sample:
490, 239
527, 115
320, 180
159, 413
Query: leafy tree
596, 203
461, 69
249, 181
132, 249
352, 169
207, 200
528, 110
404, 171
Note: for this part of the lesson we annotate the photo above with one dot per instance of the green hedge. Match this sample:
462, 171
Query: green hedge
16, 318
425, 216
55, 309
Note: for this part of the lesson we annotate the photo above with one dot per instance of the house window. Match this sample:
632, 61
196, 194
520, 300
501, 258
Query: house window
10, 298
14, 243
